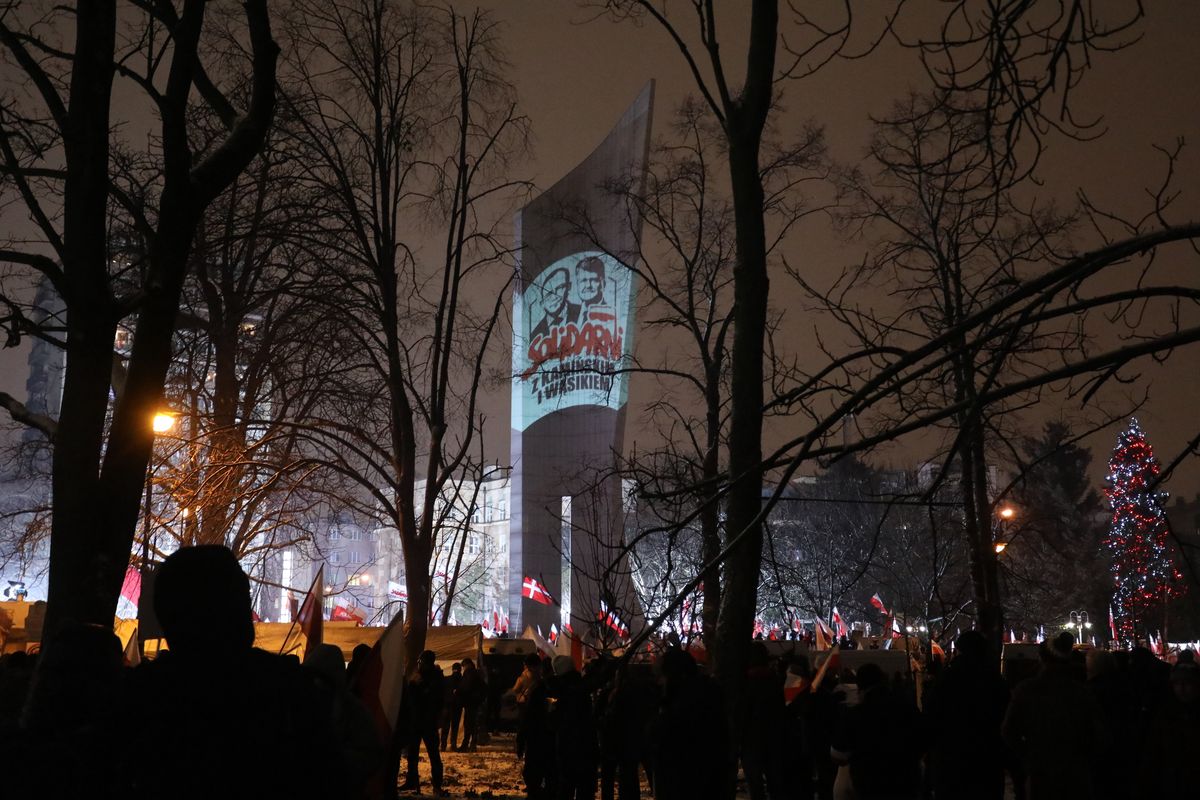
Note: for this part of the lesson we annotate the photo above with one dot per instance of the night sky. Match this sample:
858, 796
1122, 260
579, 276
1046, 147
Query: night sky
575, 74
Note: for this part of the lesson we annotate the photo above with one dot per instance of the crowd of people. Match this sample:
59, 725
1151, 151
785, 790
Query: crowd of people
215, 717
1105, 725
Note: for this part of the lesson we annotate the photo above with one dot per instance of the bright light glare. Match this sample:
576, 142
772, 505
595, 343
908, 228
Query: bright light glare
1008, 512
163, 422
999, 547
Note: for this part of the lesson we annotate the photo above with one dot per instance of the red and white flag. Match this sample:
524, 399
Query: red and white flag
1112, 624
877, 601
536, 592
378, 685
131, 587
495, 620
610, 618
553, 633
504, 626
896, 632
822, 635
344, 611
309, 618
793, 686
841, 624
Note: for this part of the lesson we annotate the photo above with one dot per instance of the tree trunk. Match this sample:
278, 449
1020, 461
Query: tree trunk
74, 593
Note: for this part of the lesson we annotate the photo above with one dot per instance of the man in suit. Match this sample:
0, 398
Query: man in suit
590, 274
559, 310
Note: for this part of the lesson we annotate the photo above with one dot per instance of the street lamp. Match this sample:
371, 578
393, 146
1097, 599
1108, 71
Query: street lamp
162, 422
1004, 516
1079, 621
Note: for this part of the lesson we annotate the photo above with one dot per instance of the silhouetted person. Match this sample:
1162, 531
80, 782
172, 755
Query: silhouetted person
762, 736
1054, 726
452, 707
70, 715
881, 739
570, 717
424, 707
692, 756
16, 672
1171, 752
531, 674
623, 710
1109, 686
965, 707
472, 693
214, 716
358, 657
799, 764
537, 739
353, 728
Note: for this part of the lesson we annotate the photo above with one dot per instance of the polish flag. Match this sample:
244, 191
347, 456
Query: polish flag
378, 686
347, 612
131, 587
841, 624
495, 620
536, 592
793, 687
613, 621
504, 627
822, 636
308, 619
896, 632
877, 601
1112, 624
553, 633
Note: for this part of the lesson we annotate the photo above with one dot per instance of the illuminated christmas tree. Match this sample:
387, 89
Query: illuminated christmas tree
1144, 572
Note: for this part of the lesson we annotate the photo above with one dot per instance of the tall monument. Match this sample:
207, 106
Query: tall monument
573, 325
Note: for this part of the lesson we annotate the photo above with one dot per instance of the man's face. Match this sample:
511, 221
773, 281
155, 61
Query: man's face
590, 284
554, 293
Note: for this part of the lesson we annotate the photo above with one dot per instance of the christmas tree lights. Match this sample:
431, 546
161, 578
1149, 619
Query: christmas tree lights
1143, 570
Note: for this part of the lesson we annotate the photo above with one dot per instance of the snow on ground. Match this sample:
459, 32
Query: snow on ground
493, 771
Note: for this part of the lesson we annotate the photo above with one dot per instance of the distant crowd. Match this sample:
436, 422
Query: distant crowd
215, 717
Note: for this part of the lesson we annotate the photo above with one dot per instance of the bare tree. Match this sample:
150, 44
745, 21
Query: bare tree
60, 144
408, 127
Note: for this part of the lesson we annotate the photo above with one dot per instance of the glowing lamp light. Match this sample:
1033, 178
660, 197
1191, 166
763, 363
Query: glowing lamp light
1007, 513
163, 422
999, 547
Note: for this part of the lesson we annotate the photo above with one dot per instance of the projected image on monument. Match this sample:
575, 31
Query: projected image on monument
575, 314
573, 326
